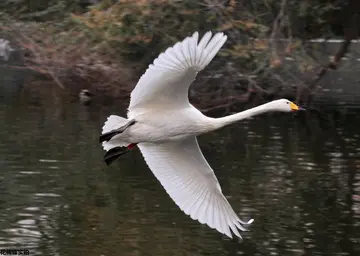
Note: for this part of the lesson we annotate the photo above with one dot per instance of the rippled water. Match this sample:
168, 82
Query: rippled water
296, 174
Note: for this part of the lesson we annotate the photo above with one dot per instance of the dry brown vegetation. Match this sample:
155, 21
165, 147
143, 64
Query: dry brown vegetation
107, 47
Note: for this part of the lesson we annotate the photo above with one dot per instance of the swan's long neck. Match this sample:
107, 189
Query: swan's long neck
223, 121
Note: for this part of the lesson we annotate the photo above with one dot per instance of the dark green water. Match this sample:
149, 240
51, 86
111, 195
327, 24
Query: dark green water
296, 175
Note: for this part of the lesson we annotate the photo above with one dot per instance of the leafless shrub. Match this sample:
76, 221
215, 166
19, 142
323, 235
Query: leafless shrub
91, 48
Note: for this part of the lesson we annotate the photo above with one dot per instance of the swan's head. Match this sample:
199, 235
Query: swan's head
285, 105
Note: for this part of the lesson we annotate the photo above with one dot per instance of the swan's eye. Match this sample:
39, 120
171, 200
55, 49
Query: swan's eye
287, 103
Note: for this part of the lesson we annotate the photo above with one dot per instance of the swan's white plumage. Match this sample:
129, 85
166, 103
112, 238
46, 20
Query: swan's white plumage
113, 122
166, 82
166, 126
189, 180
179, 165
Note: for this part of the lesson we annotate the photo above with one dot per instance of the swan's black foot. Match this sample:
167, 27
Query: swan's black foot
114, 153
107, 136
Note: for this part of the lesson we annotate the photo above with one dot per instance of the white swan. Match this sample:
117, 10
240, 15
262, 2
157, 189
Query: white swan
164, 125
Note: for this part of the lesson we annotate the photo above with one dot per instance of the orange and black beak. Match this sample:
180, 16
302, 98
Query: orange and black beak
295, 107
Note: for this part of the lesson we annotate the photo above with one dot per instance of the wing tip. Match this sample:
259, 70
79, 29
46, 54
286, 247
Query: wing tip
250, 222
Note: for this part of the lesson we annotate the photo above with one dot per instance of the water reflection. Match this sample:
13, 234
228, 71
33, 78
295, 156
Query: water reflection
296, 175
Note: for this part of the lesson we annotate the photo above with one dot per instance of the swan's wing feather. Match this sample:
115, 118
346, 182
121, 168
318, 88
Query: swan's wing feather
189, 180
166, 82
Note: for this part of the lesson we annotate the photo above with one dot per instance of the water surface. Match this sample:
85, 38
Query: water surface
295, 174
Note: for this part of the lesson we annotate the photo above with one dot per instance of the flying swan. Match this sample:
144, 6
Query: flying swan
164, 125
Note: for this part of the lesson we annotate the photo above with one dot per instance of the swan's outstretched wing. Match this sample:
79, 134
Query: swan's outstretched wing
166, 82
189, 180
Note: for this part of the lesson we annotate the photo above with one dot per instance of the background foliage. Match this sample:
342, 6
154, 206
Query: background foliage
107, 44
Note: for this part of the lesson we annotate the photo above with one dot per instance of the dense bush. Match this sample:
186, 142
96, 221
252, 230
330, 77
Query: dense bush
68, 35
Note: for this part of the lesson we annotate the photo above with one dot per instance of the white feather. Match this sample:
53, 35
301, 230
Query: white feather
113, 122
167, 80
191, 183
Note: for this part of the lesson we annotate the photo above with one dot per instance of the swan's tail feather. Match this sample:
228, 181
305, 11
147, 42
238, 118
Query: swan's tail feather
114, 122
109, 135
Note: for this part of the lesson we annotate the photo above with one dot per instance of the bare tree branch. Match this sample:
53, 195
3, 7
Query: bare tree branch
351, 31
276, 24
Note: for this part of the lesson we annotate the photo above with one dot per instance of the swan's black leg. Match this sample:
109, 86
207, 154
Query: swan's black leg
107, 136
114, 153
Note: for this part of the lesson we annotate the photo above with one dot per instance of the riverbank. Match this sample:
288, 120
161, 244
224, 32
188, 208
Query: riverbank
106, 48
